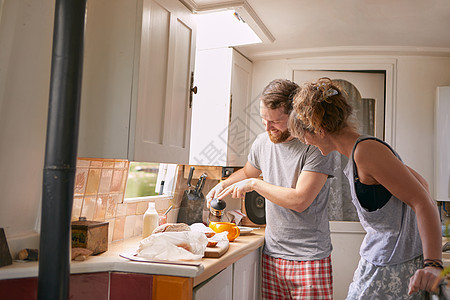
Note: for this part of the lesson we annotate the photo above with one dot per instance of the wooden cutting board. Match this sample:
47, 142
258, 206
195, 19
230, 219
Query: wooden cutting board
218, 250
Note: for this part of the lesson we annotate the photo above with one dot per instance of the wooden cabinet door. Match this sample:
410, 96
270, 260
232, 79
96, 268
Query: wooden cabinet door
130, 286
162, 114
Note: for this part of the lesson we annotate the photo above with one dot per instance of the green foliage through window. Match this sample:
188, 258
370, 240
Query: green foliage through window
142, 179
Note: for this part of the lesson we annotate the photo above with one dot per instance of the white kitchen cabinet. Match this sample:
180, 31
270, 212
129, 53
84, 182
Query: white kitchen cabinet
220, 132
239, 281
219, 287
247, 277
139, 56
346, 238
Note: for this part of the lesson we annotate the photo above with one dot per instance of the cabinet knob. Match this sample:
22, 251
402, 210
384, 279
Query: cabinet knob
194, 90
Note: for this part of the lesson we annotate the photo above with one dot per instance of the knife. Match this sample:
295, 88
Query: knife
202, 183
198, 185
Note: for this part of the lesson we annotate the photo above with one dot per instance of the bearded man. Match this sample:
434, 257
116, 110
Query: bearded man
296, 262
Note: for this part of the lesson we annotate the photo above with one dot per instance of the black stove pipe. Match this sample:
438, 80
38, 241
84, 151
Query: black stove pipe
61, 149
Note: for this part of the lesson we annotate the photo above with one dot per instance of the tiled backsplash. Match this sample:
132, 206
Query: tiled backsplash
99, 193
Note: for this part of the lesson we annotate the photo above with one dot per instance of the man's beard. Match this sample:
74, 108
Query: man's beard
279, 138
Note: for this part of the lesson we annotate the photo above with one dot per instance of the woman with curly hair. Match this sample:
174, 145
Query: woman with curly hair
401, 252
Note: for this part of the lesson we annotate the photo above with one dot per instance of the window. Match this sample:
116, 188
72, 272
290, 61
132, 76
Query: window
150, 181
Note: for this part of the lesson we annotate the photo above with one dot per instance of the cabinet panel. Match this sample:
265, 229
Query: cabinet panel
247, 277
21, 288
346, 238
153, 72
178, 135
220, 287
170, 287
139, 55
239, 130
90, 286
220, 119
131, 286
107, 78
163, 125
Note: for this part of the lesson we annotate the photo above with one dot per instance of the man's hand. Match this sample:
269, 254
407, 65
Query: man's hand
425, 279
238, 189
213, 193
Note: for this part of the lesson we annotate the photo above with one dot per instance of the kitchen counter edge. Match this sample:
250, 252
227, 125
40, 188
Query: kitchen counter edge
110, 261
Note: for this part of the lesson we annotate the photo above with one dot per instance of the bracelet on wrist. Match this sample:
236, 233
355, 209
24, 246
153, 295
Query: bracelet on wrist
433, 263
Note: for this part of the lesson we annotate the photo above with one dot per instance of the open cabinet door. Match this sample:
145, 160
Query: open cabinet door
163, 109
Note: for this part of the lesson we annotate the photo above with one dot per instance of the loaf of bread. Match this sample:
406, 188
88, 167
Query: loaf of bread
172, 227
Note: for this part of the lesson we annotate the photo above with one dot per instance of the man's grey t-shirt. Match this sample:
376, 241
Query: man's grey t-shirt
289, 234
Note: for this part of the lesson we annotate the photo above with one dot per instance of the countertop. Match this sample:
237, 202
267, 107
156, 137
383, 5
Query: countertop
111, 261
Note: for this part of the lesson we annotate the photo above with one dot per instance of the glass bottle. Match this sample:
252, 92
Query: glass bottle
151, 220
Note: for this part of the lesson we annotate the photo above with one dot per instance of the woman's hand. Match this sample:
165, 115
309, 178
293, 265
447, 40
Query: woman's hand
426, 279
238, 189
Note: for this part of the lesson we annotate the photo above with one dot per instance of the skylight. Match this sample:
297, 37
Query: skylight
223, 29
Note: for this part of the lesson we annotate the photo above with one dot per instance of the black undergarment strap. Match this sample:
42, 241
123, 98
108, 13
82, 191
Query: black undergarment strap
371, 197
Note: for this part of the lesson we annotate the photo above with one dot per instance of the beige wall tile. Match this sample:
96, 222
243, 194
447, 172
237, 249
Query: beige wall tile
120, 164
117, 180
105, 181
161, 205
83, 163
93, 181
138, 225
118, 198
76, 207
130, 222
119, 226
123, 184
141, 207
97, 163
100, 207
88, 208
131, 208
81, 177
110, 229
111, 207
121, 210
108, 164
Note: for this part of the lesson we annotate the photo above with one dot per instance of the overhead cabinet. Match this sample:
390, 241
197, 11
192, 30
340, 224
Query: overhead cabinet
220, 134
139, 59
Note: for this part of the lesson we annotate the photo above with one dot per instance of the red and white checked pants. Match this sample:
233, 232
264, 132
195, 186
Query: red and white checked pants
303, 280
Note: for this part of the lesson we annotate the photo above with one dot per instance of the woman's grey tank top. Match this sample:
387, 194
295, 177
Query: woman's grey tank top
392, 234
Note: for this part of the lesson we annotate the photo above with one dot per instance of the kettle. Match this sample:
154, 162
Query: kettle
216, 210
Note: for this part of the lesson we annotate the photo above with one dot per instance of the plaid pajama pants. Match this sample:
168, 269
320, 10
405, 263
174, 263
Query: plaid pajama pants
286, 279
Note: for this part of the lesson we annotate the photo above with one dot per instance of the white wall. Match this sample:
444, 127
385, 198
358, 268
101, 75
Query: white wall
26, 28
415, 82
